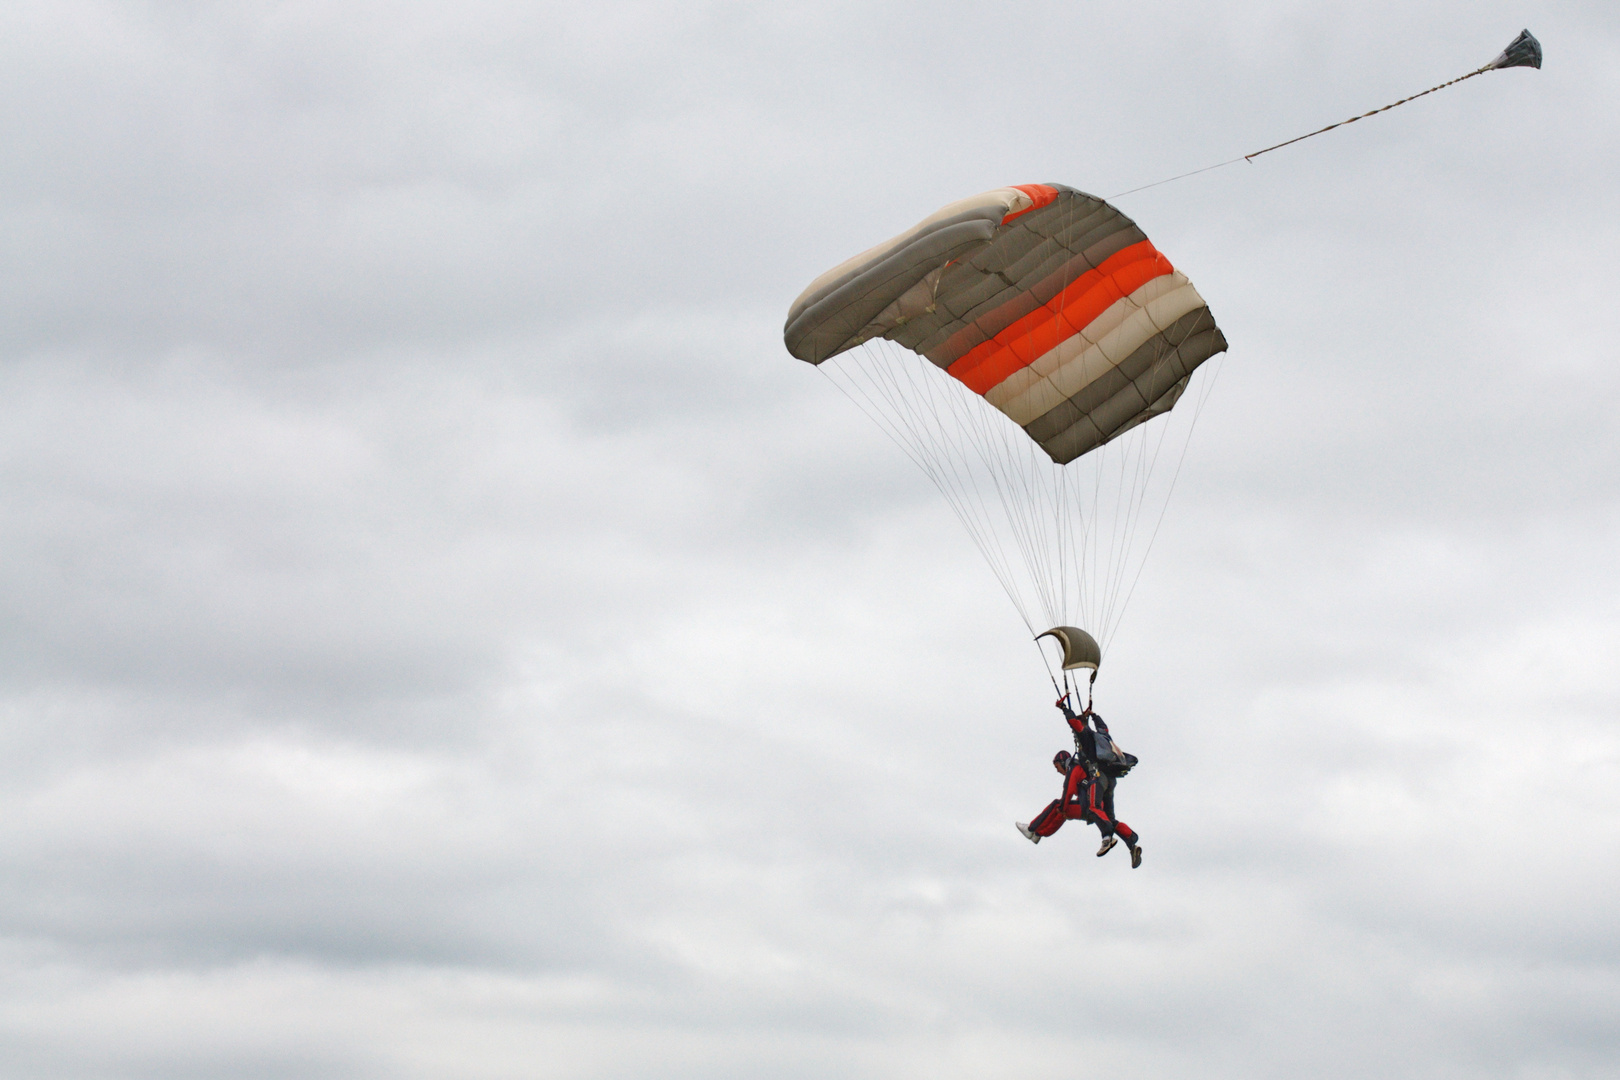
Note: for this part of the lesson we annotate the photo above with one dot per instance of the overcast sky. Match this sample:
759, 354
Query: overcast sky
446, 635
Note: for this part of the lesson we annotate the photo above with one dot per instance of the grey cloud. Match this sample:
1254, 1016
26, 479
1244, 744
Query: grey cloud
446, 635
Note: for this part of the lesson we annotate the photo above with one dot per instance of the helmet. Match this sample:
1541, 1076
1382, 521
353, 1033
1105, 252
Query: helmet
1061, 761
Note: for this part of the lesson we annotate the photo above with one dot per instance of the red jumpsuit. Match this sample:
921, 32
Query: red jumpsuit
1088, 794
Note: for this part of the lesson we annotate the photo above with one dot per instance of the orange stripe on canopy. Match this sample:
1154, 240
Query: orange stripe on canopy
1043, 195
1066, 314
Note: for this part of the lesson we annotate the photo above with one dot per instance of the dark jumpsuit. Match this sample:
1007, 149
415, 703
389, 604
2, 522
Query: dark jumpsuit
1088, 793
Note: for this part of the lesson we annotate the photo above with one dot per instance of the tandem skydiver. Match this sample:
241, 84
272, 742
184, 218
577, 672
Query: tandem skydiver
1088, 785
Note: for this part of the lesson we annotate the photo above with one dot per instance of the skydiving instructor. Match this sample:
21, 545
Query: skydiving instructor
1089, 775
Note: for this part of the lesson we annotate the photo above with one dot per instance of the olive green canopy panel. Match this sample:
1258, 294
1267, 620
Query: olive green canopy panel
1047, 302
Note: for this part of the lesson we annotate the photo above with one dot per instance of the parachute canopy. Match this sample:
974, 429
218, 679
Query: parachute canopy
1047, 302
1080, 649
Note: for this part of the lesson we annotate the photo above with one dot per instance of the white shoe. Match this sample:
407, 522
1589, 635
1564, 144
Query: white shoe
1107, 846
1029, 834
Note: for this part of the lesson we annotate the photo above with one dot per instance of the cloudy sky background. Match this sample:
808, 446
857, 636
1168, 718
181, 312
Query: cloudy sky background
445, 635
